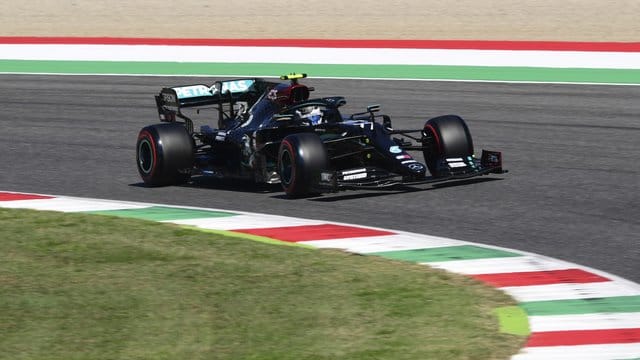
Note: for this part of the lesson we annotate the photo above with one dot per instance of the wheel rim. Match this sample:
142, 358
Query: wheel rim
145, 156
433, 152
286, 167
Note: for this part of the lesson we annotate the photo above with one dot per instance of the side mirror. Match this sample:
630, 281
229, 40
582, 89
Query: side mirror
386, 122
373, 108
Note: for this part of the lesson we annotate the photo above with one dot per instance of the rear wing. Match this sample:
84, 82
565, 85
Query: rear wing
171, 100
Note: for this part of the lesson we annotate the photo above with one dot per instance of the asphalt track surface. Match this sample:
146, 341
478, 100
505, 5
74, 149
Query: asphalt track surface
573, 151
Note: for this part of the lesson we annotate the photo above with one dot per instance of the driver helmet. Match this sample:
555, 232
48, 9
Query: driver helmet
313, 113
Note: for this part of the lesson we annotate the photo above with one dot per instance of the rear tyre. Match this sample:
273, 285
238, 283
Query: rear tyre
164, 154
301, 159
445, 137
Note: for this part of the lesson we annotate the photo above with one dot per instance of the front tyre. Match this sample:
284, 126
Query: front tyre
164, 154
301, 159
445, 137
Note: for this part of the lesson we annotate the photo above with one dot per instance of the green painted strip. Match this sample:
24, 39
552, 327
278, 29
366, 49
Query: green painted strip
477, 73
617, 304
257, 238
162, 213
448, 253
513, 320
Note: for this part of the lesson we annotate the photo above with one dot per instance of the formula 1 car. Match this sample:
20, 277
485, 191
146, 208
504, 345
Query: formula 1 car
272, 132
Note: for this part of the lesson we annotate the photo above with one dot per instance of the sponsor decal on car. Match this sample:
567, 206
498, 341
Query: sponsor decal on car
416, 166
234, 86
348, 172
355, 176
192, 91
456, 162
395, 149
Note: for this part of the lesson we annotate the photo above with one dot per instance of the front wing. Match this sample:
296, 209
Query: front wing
377, 178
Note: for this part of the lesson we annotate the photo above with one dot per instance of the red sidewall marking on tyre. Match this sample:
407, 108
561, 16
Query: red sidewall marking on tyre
435, 135
145, 135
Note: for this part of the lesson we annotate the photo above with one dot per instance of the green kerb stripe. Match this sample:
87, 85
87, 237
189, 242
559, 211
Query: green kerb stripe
617, 304
448, 253
513, 320
487, 73
162, 213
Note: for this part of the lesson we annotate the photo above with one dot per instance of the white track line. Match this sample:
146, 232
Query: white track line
501, 265
246, 221
581, 352
342, 56
372, 244
69, 205
570, 291
584, 322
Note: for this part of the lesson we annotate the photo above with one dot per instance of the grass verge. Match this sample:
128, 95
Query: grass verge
77, 286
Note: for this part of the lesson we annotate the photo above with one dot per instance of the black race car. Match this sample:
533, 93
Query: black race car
272, 132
